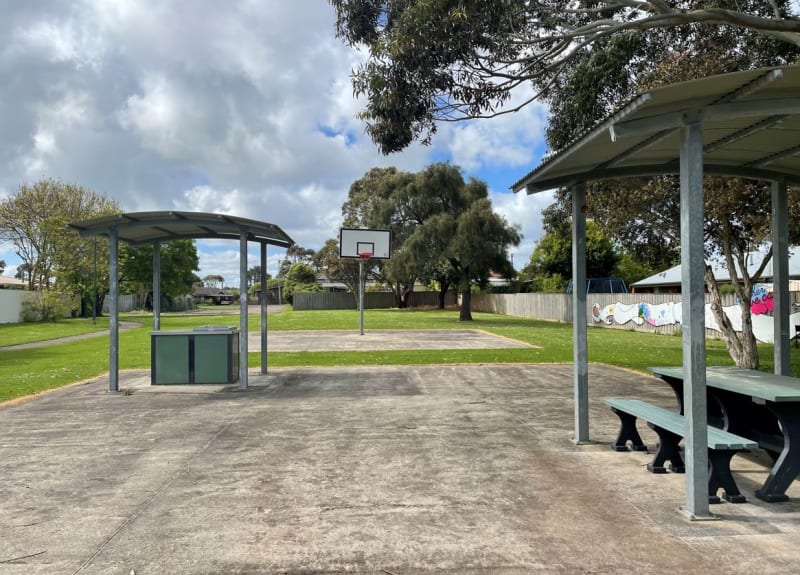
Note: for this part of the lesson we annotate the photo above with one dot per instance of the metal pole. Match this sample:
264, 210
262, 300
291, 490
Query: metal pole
243, 309
113, 310
94, 285
264, 319
156, 285
780, 277
361, 297
693, 323
580, 339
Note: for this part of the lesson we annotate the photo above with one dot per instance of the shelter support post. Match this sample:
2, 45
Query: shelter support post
693, 319
243, 309
263, 281
156, 285
580, 341
113, 310
780, 276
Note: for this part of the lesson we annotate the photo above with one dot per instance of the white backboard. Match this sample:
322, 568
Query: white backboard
353, 242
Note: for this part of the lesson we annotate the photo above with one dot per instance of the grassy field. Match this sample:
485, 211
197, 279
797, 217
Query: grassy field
17, 333
23, 372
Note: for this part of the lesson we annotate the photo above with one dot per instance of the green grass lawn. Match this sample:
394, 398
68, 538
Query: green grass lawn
24, 372
17, 333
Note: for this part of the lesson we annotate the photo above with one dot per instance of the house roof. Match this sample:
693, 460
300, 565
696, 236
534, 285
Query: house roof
9, 281
672, 276
210, 291
751, 129
145, 227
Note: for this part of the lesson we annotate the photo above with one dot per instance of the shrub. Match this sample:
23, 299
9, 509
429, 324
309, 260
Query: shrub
46, 305
182, 303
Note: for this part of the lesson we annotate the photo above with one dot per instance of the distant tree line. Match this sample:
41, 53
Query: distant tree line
69, 272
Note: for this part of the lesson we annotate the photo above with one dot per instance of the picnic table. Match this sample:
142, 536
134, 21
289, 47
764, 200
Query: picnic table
761, 406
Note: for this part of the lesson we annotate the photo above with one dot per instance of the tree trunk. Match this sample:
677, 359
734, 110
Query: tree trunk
443, 287
405, 295
741, 346
465, 314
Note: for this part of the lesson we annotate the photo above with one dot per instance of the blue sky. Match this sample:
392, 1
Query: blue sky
244, 108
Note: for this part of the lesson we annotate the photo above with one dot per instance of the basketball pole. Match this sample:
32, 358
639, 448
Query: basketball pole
361, 296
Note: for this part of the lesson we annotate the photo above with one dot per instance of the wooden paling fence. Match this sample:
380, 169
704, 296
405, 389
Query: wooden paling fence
372, 300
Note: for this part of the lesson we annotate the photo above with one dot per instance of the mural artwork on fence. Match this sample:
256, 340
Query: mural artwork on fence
669, 313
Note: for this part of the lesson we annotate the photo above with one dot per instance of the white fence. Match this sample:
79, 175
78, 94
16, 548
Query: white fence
11, 305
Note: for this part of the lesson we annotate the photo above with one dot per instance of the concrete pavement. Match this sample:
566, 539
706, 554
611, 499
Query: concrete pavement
398, 470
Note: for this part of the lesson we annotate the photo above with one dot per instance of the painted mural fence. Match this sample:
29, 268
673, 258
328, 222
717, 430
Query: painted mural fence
669, 313
653, 313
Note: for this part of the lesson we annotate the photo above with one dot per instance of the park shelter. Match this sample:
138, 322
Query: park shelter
155, 227
744, 124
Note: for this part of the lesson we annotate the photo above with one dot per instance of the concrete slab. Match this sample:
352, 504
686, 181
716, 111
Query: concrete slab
385, 339
399, 470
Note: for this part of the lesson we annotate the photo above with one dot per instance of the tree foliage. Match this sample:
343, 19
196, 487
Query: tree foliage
300, 278
643, 215
34, 220
373, 202
551, 260
345, 270
444, 228
179, 261
434, 61
214, 280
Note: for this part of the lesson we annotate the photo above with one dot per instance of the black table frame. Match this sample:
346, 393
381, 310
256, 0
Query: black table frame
775, 425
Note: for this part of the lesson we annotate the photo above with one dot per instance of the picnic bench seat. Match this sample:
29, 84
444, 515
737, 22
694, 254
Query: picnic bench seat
671, 427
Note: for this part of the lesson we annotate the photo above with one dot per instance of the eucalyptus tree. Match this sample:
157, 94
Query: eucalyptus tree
459, 236
437, 61
642, 215
431, 214
34, 220
372, 203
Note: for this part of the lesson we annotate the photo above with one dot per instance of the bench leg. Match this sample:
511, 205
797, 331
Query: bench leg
627, 432
720, 477
667, 451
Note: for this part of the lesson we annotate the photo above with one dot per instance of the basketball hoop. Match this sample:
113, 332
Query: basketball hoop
365, 255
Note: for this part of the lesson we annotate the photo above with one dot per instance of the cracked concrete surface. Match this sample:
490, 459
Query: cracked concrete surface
400, 470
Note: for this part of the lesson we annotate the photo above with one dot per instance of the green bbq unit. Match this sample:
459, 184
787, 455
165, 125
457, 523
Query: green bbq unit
208, 354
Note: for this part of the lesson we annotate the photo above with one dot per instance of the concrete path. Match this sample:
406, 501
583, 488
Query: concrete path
390, 470
147, 321
123, 326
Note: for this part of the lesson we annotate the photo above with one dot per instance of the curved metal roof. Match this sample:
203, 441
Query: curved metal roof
144, 227
751, 129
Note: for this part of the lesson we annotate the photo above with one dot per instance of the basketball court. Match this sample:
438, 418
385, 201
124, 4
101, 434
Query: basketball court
384, 339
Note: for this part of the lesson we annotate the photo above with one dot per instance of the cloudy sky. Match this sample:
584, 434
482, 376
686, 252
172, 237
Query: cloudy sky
243, 108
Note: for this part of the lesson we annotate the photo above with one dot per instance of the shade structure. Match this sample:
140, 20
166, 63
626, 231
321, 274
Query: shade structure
145, 227
155, 227
745, 124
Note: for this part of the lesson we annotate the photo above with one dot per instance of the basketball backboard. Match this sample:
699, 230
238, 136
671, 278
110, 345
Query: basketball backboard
353, 243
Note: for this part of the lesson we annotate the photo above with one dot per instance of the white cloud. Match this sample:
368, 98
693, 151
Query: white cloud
238, 107
514, 139
524, 211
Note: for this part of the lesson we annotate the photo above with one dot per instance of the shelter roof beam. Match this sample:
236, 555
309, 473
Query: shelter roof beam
793, 150
678, 119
